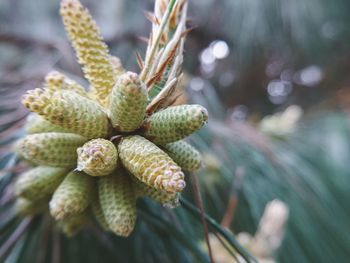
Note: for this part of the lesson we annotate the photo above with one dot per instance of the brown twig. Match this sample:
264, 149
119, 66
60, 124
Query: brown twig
233, 199
199, 204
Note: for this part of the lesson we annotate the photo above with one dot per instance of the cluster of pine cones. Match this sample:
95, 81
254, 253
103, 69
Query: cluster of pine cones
98, 151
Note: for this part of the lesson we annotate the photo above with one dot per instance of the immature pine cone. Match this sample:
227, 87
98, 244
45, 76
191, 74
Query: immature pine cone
184, 155
52, 148
39, 182
70, 111
91, 51
25, 207
97, 157
117, 199
73, 195
150, 164
73, 224
175, 123
97, 211
37, 124
128, 101
55, 80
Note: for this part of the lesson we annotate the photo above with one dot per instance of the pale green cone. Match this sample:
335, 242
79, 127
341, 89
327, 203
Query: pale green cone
37, 124
170, 200
97, 211
150, 164
73, 224
184, 155
97, 157
70, 111
118, 202
55, 80
25, 207
39, 182
51, 149
175, 123
16, 148
127, 102
72, 196
91, 51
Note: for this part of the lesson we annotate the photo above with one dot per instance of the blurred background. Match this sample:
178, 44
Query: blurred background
275, 77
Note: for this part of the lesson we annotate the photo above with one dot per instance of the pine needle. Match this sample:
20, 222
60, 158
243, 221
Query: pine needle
139, 60
154, 47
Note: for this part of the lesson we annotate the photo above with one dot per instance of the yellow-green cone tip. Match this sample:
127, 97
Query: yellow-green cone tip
25, 207
97, 157
55, 80
175, 123
184, 155
16, 148
39, 182
73, 224
150, 164
128, 101
52, 148
70, 111
118, 202
91, 51
72, 196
